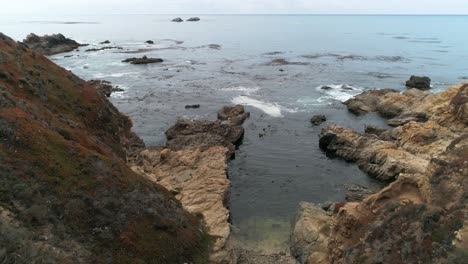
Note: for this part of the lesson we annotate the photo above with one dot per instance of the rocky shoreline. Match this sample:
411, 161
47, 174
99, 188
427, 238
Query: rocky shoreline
421, 216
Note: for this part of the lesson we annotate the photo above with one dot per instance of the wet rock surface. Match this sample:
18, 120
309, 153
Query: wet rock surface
421, 215
193, 19
422, 83
50, 44
318, 120
143, 60
193, 166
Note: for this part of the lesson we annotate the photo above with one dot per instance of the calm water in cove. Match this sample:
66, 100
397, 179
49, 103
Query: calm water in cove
228, 60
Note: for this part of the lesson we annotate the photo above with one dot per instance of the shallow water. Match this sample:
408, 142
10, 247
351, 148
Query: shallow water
227, 59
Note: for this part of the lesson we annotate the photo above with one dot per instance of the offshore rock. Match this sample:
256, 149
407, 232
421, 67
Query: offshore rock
193, 19
422, 83
50, 44
177, 19
143, 60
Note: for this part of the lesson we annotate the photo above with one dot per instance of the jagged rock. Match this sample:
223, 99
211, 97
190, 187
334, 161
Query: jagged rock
105, 87
177, 19
193, 19
226, 131
424, 208
311, 230
318, 120
367, 101
143, 60
234, 114
50, 44
422, 83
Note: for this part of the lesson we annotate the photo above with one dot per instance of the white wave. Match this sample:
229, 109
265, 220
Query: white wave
272, 109
243, 89
119, 74
340, 92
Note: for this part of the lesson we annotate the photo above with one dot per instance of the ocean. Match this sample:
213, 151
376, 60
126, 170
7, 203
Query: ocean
275, 65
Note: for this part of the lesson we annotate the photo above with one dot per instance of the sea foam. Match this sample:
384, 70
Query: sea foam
270, 109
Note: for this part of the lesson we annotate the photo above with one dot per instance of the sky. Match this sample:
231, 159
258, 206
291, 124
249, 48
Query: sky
234, 7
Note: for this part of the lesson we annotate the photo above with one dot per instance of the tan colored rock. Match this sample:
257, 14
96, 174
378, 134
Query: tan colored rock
309, 240
199, 180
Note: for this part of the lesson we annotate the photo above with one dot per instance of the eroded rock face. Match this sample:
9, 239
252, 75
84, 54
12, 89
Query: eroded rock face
421, 216
50, 44
193, 166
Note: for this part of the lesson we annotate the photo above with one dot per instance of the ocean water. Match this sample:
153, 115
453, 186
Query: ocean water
227, 59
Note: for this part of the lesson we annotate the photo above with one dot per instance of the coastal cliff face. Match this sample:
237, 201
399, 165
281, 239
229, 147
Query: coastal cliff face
66, 193
421, 216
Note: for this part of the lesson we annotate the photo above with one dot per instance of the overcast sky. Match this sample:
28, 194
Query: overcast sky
234, 6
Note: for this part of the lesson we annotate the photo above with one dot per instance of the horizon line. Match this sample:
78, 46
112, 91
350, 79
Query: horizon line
255, 14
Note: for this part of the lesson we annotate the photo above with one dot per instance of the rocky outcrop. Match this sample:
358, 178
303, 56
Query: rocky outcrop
193, 19
149, 42
311, 231
421, 216
318, 120
103, 48
193, 166
177, 19
422, 83
143, 60
50, 44
67, 195
367, 101
105, 87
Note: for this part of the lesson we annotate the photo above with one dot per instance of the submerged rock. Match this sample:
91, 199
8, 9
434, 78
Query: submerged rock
143, 60
193, 19
177, 19
318, 120
192, 106
422, 83
51, 44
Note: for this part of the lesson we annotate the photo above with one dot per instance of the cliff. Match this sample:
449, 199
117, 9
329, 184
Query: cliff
66, 193
421, 216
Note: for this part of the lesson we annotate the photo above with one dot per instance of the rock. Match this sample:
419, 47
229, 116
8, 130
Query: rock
374, 130
234, 114
177, 19
250, 257
318, 120
422, 83
50, 44
105, 87
192, 106
105, 42
365, 102
309, 239
281, 62
193, 166
193, 19
102, 48
149, 42
143, 60
423, 209
357, 193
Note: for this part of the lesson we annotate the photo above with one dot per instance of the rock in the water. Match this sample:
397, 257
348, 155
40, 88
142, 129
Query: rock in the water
374, 130
422, 83
318, 120
193, 19
234, 114
105, 42
50, 44
105, 87
311, 231
149, 42
367, 101
102, 48
192, 106
177, 19
143, 60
